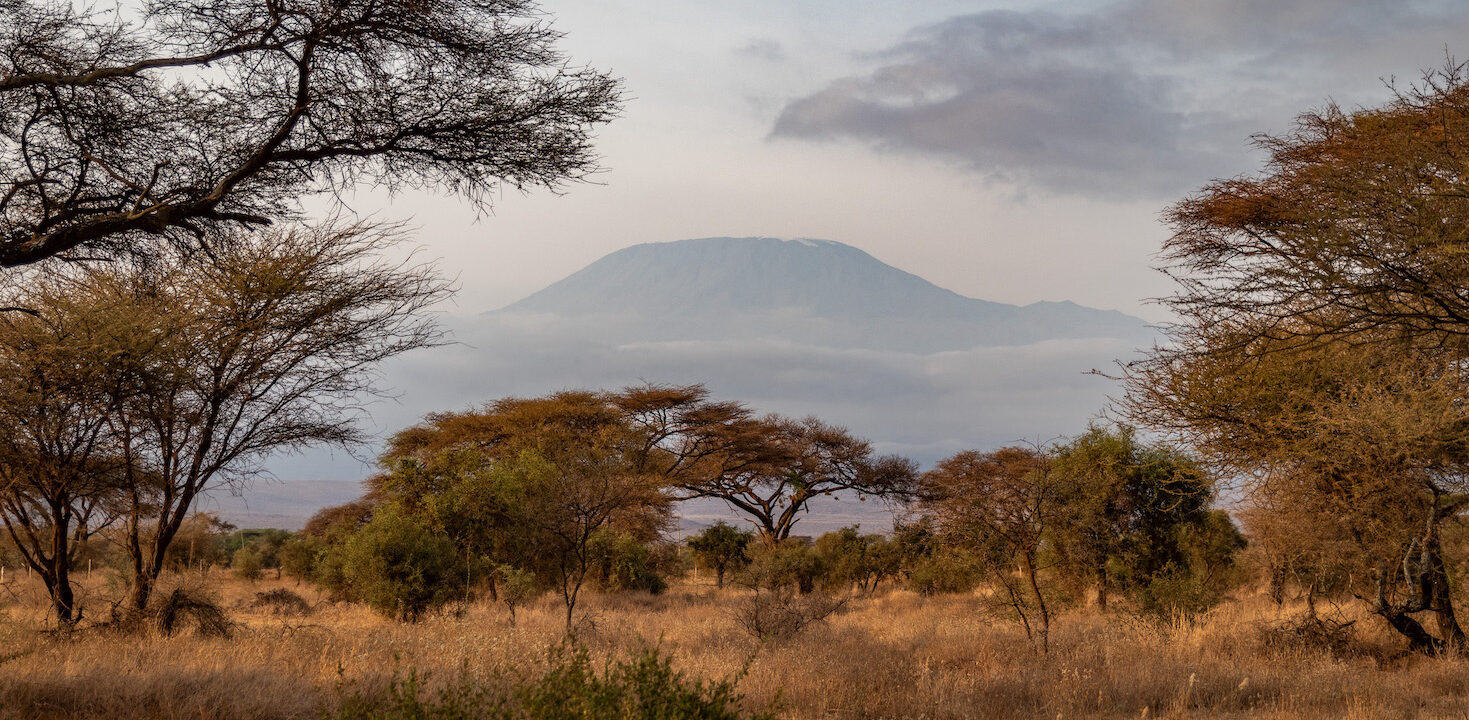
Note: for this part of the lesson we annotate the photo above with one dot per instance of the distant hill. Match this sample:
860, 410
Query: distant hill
815, 292
791, 326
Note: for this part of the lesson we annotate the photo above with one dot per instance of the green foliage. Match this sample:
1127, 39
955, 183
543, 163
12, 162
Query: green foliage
1136, 518
792, 562
298, 555
247, 564
722, 547
400, 566
1207, 570
201, 541
266, 543
516, 587
620, 562
947, 570
643, 687
848, 558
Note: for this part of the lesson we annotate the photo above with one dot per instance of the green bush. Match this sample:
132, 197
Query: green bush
298, 556
247, 564
1176, 592
401, 567
517, 587
791, 563
1206, 572
722, 547
945, 571
619, 562
644, 687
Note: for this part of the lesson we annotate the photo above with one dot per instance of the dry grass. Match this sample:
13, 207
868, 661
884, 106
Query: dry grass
894, 656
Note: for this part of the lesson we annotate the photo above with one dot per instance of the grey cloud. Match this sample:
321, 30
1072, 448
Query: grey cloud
763, 49
1024, 97
1273, 26
1140, 99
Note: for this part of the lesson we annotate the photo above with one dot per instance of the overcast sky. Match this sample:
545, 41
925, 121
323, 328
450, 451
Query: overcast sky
1015, 151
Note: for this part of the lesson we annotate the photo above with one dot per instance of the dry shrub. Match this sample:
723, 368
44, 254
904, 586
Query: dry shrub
1309, 631
183, 605
775, 615
281, 601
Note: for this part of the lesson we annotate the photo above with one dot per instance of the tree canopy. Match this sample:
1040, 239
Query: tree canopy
182, 374
1320, 347
177, 120
1354, 229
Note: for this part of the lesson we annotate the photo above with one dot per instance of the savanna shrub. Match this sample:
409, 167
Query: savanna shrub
945, 571
644, 687
400, 567
281, 601
620, 562
776, 615
517, 587
792, 563
298, 556
247, 564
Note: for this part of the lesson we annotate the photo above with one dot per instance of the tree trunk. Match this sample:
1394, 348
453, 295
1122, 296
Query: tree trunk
1419, 640
1441, 594
63, 598
1040, 601
1101, 571
142, 591
57, 577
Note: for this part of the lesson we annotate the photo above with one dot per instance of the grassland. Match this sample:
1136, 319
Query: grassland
893, 655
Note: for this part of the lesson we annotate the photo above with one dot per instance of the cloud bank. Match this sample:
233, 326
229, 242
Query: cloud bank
1136, 100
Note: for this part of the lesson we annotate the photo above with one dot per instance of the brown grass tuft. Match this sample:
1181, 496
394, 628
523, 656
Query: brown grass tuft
281, 601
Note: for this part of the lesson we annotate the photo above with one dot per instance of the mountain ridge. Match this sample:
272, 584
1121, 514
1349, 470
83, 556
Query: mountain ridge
820, 292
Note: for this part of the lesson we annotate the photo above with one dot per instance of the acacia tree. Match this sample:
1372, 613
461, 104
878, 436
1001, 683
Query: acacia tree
531, 480
179, 119
65, 371
1320, 347
771, 468
722, 546
276, 336
999, 505
1355, 229
1357, 448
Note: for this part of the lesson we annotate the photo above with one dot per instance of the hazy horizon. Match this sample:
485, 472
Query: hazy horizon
798, 327
1013, 152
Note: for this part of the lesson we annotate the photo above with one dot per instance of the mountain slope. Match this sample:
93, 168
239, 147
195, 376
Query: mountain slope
814, 292
794, 327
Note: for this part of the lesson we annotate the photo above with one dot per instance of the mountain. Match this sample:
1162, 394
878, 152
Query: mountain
799, 327
817, 292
